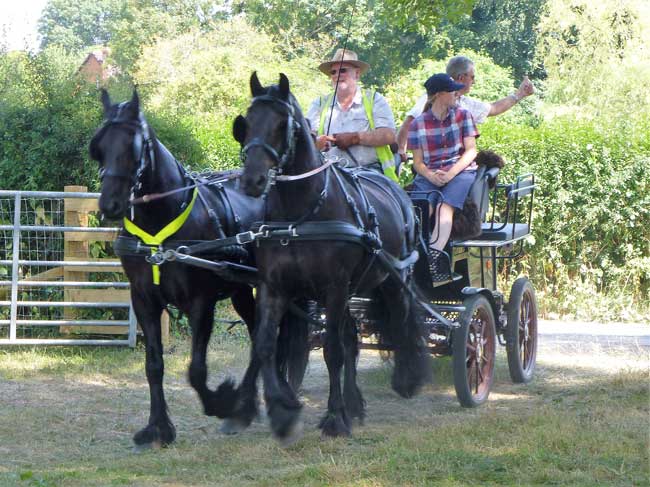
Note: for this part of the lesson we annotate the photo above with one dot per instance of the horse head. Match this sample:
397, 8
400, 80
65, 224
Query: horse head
268, 134
119, 146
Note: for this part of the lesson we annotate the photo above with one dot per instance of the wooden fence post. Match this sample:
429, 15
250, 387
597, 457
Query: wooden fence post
76, 247
73, 248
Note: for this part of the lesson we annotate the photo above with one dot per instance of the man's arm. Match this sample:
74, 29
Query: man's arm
372, 138
402, 137
377, 137
525, 89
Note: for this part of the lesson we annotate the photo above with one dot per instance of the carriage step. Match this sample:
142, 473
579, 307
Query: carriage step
446, 280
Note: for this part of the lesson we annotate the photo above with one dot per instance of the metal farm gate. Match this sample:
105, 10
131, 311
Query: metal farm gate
60, 282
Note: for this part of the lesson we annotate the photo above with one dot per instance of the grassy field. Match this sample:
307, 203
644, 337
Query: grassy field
67, 416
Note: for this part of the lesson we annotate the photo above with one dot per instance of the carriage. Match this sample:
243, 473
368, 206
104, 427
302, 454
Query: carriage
475, 314
350, 240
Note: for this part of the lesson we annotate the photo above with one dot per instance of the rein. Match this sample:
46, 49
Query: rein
147, 198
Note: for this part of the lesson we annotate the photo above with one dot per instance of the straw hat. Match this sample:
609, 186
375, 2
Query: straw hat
350, 57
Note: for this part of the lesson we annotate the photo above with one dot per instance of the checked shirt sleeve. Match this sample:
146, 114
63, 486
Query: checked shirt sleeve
413, 141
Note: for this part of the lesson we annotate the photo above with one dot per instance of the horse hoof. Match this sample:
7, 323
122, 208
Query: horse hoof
294, 434
232, 426
333, 426
283, 420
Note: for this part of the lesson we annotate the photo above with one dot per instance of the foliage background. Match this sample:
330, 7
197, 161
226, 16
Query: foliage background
584, 134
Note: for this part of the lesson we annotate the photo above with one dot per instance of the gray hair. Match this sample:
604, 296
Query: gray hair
459, 65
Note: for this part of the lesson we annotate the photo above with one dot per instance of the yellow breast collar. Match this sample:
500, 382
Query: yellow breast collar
167, 231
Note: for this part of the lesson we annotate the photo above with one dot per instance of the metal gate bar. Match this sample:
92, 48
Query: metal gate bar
14, 322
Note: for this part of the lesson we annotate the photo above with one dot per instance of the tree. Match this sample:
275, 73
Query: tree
77, 24
391, 36
47, 116
505, 29
127, 26
596, 56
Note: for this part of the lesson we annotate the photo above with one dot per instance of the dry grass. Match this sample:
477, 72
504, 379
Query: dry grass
67, 417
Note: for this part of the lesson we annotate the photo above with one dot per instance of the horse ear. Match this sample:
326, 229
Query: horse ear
106, 101
134, 104
284, 86
256, 87
239, 129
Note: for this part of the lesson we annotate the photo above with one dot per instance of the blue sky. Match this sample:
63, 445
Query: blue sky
18, 23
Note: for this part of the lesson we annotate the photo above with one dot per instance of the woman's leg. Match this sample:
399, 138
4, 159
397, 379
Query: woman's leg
442, 228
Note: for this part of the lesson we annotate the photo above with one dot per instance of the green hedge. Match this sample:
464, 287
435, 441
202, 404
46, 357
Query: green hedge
591, 222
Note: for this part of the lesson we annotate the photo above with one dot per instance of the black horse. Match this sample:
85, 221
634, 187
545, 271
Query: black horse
305, 196
134, 163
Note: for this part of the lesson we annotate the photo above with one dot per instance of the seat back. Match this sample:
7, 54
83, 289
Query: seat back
479, 192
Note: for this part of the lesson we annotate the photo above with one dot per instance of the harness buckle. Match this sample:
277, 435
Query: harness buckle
272, 176
169, 256
156, 258
245, 237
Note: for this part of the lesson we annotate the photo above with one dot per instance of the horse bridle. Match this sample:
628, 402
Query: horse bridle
142, 147
293, 127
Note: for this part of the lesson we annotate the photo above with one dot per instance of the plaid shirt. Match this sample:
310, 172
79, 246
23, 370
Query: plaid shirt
441, 141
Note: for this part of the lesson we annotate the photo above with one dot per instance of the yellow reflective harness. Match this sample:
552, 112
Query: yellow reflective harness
384, 154
159, 238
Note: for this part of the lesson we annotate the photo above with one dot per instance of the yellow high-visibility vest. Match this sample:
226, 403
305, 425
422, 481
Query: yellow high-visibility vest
384, 154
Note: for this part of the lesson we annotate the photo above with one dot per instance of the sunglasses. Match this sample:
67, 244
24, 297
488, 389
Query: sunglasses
342, 71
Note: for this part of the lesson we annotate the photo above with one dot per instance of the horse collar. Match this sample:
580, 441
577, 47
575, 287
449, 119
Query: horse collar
159, 238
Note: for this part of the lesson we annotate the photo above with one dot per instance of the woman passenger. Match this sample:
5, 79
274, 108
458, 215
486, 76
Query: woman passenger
443, 142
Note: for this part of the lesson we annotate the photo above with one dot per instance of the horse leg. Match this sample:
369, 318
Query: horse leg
335, 422
355, 405
244, 405
413, 366
282, 406
215, 403
159, 430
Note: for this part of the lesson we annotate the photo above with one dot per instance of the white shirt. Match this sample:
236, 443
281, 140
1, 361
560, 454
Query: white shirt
477, 108
352, 120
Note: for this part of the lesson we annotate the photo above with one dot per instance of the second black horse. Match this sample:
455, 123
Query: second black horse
339, 234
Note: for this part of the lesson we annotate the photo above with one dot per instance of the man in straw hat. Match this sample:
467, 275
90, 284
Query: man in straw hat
362, 125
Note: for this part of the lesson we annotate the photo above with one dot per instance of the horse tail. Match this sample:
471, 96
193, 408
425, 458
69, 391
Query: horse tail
293, 347
400, 327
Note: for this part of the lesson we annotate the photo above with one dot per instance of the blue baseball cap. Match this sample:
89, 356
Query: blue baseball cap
441, 82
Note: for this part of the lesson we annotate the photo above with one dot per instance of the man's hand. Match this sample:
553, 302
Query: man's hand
525, 89
324, 142
346, 139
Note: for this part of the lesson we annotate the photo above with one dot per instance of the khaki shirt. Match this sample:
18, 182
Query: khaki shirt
354, 120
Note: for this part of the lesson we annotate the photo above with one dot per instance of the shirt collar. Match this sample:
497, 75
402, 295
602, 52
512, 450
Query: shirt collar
450, 113
357, 100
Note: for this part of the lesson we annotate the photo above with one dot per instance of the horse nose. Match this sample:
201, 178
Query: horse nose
254, 185
112, 209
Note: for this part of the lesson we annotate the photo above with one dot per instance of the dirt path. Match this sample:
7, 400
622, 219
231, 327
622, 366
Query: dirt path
576, 351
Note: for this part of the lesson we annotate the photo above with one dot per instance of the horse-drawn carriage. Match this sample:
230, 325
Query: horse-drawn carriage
341, 250
477, 315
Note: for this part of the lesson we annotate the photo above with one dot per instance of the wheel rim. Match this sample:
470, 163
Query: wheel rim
480, 354
527, 332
